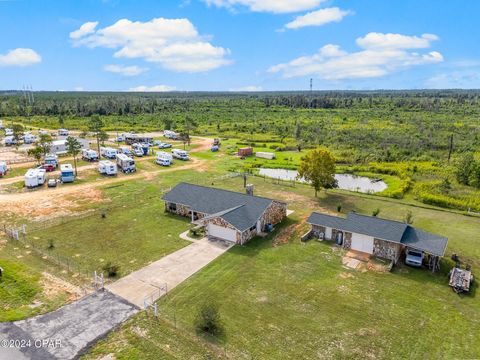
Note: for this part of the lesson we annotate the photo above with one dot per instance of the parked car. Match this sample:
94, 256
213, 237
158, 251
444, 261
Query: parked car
414, 257
52, 183
164, 145
48, 167
137, 151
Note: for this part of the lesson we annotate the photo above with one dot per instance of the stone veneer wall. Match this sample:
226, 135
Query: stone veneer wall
347, 240
386, 249
274, 213
181, 210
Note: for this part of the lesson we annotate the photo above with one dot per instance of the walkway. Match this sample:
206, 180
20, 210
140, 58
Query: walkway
170, 271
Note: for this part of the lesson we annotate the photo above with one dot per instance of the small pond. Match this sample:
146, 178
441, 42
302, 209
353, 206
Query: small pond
345, 181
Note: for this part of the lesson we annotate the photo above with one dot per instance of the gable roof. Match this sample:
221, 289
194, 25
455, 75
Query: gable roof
389, 230
240, 210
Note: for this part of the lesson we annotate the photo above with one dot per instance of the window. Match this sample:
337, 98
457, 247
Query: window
172, 207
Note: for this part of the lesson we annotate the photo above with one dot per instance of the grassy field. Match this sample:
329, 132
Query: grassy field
298, 301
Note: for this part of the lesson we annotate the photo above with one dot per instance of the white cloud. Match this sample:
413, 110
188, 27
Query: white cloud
318, 18
85, 29
79, 88
332, 63
250, 88
125, 70
376, 40
273, 6
155, 88
172, 43
20, 57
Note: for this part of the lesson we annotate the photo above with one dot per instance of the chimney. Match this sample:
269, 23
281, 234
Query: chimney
250, 189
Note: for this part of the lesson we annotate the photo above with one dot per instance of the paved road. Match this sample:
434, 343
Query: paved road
170, 270
70, 330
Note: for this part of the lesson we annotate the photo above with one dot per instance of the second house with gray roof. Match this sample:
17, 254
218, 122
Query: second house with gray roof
226, 215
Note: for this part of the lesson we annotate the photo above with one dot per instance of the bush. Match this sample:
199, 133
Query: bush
376, 212
208, 320
111, 269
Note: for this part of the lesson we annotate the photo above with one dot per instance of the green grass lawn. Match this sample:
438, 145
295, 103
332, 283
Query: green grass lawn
298, 301
134, 232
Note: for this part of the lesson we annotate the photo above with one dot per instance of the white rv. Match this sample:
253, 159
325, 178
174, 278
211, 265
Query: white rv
107, 152
180, 154
169, 134
89, 155
8, 132
125, 163
3, 168
63, 132
35, 177
10, 141
51, 159
125, 150
29, 138
164, 158
106, 167
66, 173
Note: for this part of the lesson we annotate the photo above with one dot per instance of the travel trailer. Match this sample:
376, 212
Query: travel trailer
89, 155
169, 134
180, 154
125, 163
106, 167
3, 168
164, 158
66, 173
10, 141
51, 159
107, 152
35, 177
29, 138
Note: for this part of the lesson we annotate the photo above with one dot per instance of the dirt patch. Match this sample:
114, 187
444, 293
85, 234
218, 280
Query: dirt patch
54, 286
13, 156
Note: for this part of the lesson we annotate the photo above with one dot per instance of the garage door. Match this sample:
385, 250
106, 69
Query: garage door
362, 243
222, 232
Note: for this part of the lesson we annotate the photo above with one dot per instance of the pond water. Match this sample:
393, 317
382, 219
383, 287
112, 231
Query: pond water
345, 181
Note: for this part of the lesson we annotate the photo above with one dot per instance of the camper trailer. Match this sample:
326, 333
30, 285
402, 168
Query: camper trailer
125, 164
180, 154
144, 147
107, 152
169, 134
8, 132
265, 155
63, 132
106, 167
29, 138
125, 150
10, 141
35, 177
66, 173
164, 158
3, 168
89, 155
51, 159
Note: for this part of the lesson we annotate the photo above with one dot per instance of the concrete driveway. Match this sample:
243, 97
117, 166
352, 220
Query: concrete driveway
67, 332
152, 280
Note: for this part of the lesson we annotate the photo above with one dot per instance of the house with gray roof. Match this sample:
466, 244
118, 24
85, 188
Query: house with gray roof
376, 236
225, 214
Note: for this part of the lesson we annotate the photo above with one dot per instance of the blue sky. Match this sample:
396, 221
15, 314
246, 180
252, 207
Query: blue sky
238, 44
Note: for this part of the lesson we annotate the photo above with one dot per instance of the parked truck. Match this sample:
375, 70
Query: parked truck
106, 167
89, 155
164, 158
63, 132
180, 154
9, 140
66, 173
125, 164
35, 177
3, 168
108, 152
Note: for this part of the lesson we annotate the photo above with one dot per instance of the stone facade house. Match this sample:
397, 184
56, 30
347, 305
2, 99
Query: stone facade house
382, 238
226, 215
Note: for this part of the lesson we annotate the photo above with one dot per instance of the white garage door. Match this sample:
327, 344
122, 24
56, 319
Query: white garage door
222, 232
362, 243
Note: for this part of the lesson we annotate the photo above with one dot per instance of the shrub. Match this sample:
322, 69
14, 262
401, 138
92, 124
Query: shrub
111, 269
376, 212
208, 320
